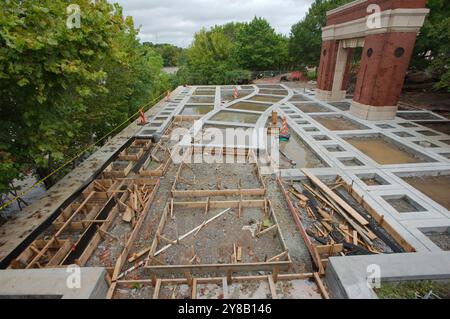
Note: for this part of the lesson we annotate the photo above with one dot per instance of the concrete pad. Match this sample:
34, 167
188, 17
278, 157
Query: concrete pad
52, 284
393, 267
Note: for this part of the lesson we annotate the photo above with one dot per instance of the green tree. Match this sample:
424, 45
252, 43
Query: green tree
306, 36
258, 47
62, 88
209, 59
432, 50
169, 53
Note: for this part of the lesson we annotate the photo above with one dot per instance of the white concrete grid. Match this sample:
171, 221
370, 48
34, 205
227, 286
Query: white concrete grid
331, 148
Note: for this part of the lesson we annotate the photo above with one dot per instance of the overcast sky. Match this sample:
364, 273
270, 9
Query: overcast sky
176, 21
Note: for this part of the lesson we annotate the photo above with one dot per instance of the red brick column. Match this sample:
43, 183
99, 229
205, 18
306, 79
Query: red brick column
327, 66
384, 62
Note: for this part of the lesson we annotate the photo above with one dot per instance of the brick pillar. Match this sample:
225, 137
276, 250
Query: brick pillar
384, 62
327, 67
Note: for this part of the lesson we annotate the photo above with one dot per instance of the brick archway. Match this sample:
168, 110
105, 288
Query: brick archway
387, 50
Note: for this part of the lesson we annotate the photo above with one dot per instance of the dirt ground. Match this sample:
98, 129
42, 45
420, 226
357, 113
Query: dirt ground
438, 102
441, 239
237, 117
298, 152
258, 107
298, 289
214, 243
382, 151
311, 107
402, 204
338, 123
209, 176
435, 187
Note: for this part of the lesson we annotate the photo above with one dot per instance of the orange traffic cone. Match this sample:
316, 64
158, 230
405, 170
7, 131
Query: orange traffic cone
284, 133
235, 93
142, 118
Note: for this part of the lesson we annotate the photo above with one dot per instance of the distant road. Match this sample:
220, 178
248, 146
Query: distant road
170, 70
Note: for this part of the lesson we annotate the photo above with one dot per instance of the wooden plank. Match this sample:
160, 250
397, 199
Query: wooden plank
262, 232
355, 238
222, 192
239, 254
336, 198
60, 254
273, 289
252, 203
193, 231
278, 257
205, 268
218, 280
330, 249
322, 289
194, 289
157, 288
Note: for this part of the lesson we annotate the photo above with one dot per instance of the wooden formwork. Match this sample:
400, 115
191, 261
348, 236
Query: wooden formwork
235, 152
122, 166
135, 150
311, 247
224, 283
163, 160
274, 264
77, 231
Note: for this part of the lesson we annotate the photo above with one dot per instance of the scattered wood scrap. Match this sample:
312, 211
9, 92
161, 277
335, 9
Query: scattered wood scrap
336, 226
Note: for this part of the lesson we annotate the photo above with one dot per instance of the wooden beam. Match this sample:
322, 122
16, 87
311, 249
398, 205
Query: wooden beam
273, 289
336, 198
194, 289
278, 257
262, 232
206, 268
157, 288
193, 231
322, 289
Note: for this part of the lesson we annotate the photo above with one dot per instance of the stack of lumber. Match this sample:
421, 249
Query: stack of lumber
334, 224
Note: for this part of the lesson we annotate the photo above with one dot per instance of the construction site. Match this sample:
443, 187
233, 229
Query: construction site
317, 194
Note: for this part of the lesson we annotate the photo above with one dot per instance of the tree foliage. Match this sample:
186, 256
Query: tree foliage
209, 60
227, 54
258, 47
62, 88
170, 53
306, 36
432, 50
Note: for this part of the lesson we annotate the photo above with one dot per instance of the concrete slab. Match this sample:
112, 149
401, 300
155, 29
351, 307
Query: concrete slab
393, 267
52, 284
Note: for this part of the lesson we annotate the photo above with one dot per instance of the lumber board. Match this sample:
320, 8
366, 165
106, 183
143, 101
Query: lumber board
273, 289
193, 230
336, 198
322, 289
206, 268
